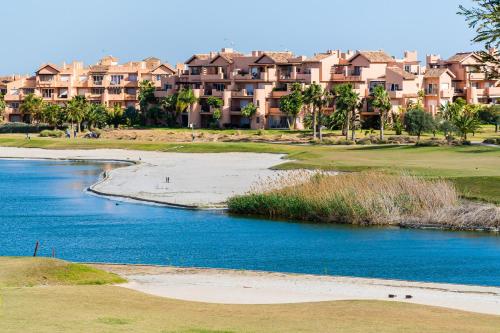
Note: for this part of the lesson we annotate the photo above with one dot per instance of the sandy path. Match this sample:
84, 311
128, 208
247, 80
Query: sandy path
197, 180
250, 287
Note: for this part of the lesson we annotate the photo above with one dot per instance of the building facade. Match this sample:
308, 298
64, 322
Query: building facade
261, 78
106, 82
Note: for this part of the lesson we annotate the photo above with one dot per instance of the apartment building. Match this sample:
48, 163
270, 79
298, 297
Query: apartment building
261, 78
106, 82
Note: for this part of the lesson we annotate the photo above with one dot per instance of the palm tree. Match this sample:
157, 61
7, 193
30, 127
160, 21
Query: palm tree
52, 114
467, 121
115, 115
312, 95
185, 101
76, 109
382, 102
97, 115
292, 103
347, 101
32, 105
2, 106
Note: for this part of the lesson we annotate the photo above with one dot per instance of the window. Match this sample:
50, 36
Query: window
63, 93
46, 77
195, 70
132, 77
97, 79
14, 105
395, 87
219, 86
28, 91
97, 91
168, 86
475, 85
47, 93
116, 79
114, 90
408, 68
130, 91
356, 71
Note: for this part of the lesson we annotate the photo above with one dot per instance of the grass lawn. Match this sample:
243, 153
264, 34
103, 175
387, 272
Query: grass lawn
104, 308
474, 169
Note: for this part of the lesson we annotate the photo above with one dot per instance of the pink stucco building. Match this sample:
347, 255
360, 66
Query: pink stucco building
261, 78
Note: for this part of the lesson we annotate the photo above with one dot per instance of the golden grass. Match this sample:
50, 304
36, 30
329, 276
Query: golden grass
357, 198
109, 309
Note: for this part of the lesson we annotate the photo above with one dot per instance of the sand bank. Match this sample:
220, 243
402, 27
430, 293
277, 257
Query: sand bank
195, 180
251, 287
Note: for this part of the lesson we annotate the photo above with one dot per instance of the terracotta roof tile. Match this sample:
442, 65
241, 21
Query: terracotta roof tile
401, 72
375, 56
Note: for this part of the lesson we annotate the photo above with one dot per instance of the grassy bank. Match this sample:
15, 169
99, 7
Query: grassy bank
366, 198
101, 308
474, 169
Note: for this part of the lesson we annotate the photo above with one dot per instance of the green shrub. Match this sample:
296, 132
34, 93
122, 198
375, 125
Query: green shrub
492, 141
51, 133
23, 128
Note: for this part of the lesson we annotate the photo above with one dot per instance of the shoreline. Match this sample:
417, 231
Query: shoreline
230, 286
195, 186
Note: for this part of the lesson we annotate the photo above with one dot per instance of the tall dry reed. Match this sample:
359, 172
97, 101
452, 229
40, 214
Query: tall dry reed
358, 198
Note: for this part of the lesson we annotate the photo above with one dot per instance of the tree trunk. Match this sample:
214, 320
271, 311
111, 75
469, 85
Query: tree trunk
381, 126
353, 131
347, 120
496, 128
314, 122
295, 123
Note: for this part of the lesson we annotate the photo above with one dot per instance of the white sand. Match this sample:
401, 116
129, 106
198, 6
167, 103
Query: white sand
249, 287
198, 180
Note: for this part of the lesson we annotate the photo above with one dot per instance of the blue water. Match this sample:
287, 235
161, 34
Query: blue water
46, 201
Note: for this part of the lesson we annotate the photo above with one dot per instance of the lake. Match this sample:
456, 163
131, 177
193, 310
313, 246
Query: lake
46, 201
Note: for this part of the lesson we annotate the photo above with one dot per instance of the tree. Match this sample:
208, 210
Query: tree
131, 116
447, 112
32, 105
347, 103
417, 121
146, 94
76, 109
115, 115
169, 104
490, 115
292, 103
311, 96
52, 114
381, 102
467, 120
2, 106
248, 110
397, 120
185, 100
97, 116
485, 20
215, 103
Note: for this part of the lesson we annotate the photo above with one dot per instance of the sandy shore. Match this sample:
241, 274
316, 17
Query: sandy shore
196, 180
250, 287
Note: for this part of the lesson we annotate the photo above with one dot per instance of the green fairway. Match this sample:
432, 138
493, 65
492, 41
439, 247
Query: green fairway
52, 307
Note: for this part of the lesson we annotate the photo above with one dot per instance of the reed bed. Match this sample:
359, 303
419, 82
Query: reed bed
359, 198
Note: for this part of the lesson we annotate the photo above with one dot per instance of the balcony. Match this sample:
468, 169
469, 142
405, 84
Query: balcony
447, 93
131, 97
242, 93
458, 91
431, 92
304, 77
279, 93
396, 93
214, 77
346, 78
275, 111
477, 76
493, 91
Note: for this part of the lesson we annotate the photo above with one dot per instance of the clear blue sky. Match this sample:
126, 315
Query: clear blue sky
36, 31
